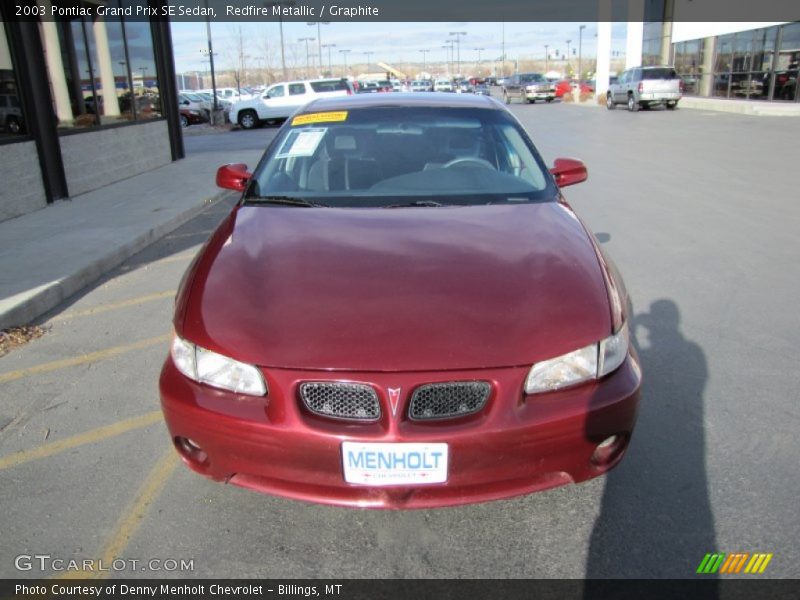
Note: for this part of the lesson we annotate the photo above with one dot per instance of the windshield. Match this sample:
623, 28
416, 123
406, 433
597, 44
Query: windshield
530, 77
387, 156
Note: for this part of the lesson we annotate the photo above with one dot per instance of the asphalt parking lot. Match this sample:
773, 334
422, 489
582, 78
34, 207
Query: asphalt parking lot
699, 211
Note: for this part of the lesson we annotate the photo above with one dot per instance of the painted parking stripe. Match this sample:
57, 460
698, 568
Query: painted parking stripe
115, 305
88, 437
83, 359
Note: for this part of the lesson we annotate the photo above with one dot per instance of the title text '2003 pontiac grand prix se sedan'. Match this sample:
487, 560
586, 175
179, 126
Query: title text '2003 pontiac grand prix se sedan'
401, 312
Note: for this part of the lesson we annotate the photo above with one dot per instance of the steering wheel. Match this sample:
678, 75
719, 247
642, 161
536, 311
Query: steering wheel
467, 160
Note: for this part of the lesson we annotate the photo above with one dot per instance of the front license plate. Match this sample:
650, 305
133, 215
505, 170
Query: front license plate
394, 464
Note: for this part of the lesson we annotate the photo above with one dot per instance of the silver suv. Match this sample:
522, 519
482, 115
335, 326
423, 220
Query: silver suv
643, 87
528, 87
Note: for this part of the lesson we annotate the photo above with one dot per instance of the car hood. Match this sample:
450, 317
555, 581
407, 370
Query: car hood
405, 289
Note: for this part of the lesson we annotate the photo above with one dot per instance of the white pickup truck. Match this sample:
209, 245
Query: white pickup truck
281, 100
643, 87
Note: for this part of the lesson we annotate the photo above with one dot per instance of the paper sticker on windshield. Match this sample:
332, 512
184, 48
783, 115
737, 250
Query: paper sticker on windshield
322, 117
301, 143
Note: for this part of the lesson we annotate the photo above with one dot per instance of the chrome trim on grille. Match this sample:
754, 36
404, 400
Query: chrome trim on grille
338, 400
448, 400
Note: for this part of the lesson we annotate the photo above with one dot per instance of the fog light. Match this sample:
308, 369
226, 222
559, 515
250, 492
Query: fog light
191, 451
608, 451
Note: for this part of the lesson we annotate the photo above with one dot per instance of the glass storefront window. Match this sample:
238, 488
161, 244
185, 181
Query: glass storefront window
12, 121
102, 70
786, 71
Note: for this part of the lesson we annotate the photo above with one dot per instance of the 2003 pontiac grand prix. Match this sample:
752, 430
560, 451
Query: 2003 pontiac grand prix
401, 312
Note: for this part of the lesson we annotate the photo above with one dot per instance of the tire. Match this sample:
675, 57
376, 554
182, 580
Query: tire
633, 105
530, 100
610, 105
671, 105
184, 121
548, 100
248, 119
13, 125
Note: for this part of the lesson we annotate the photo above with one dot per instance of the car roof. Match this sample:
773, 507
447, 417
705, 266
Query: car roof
400, 99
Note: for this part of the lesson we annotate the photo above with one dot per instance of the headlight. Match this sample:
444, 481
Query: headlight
205, 366
591, 362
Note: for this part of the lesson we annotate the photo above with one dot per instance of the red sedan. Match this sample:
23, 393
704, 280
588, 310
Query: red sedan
401, 312
566, 86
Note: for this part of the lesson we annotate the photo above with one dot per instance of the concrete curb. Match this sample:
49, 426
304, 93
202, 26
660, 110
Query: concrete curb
32, 304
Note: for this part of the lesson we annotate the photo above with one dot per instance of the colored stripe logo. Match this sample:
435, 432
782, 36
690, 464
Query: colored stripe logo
734, 563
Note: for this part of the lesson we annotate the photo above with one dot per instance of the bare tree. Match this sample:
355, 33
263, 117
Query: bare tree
235, 56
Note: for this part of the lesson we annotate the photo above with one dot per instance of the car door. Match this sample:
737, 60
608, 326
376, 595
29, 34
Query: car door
273, 102
298, 96
619, 89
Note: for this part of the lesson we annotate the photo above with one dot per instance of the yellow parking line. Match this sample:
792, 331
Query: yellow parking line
88, 437
81, 360
133, 516
115, 305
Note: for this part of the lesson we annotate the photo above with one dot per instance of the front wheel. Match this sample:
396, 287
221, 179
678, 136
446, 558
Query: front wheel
633, 105
184, 121
548, 100
610, 101
248, 119
671, 105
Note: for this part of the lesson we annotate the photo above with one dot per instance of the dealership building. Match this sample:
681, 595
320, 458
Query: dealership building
84, 102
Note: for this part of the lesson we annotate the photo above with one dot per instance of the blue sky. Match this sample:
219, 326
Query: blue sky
388, 42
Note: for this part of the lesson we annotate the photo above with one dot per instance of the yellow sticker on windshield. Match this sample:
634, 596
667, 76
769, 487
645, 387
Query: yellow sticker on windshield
323, 117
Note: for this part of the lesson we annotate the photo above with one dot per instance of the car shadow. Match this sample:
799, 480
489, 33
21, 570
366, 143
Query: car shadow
655, 519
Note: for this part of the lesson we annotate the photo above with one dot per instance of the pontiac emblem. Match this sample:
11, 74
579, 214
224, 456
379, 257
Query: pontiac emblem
394, 399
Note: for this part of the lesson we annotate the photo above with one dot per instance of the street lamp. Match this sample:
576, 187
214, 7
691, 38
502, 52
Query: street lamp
280, 3
448, 46
458, 35
479, 55
330, 69
306, 40
580, 50
319, 39
568, 43
424, 64
369, 56
344, 57
546, 58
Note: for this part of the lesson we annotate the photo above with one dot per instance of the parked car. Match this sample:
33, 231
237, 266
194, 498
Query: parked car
191, 116
442, 85
528, 87
481, 89
373, 87
11, 114
421, 85
402, 311
567, 86
643, 87
195, 102
281, 100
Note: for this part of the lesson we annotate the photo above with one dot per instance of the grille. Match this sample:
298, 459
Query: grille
341, 400
446, 400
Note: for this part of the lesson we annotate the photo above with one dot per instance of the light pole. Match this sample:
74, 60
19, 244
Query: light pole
458, 35
448, 46
306, 40
546, 58
280, 3
580, 50
479, 56
319, 38
210, 54
344, 57
369, 56
568, 43
424, 53
330, 69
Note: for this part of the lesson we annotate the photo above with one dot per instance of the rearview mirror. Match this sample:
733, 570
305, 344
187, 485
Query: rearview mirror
569, 171
233, 177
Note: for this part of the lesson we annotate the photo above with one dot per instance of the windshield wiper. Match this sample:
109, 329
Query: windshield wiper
285, 200
415, 203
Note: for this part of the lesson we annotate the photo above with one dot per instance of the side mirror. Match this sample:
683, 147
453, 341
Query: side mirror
233, 177
568, 171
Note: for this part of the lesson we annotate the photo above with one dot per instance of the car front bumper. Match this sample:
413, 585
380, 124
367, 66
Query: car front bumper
516, 445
